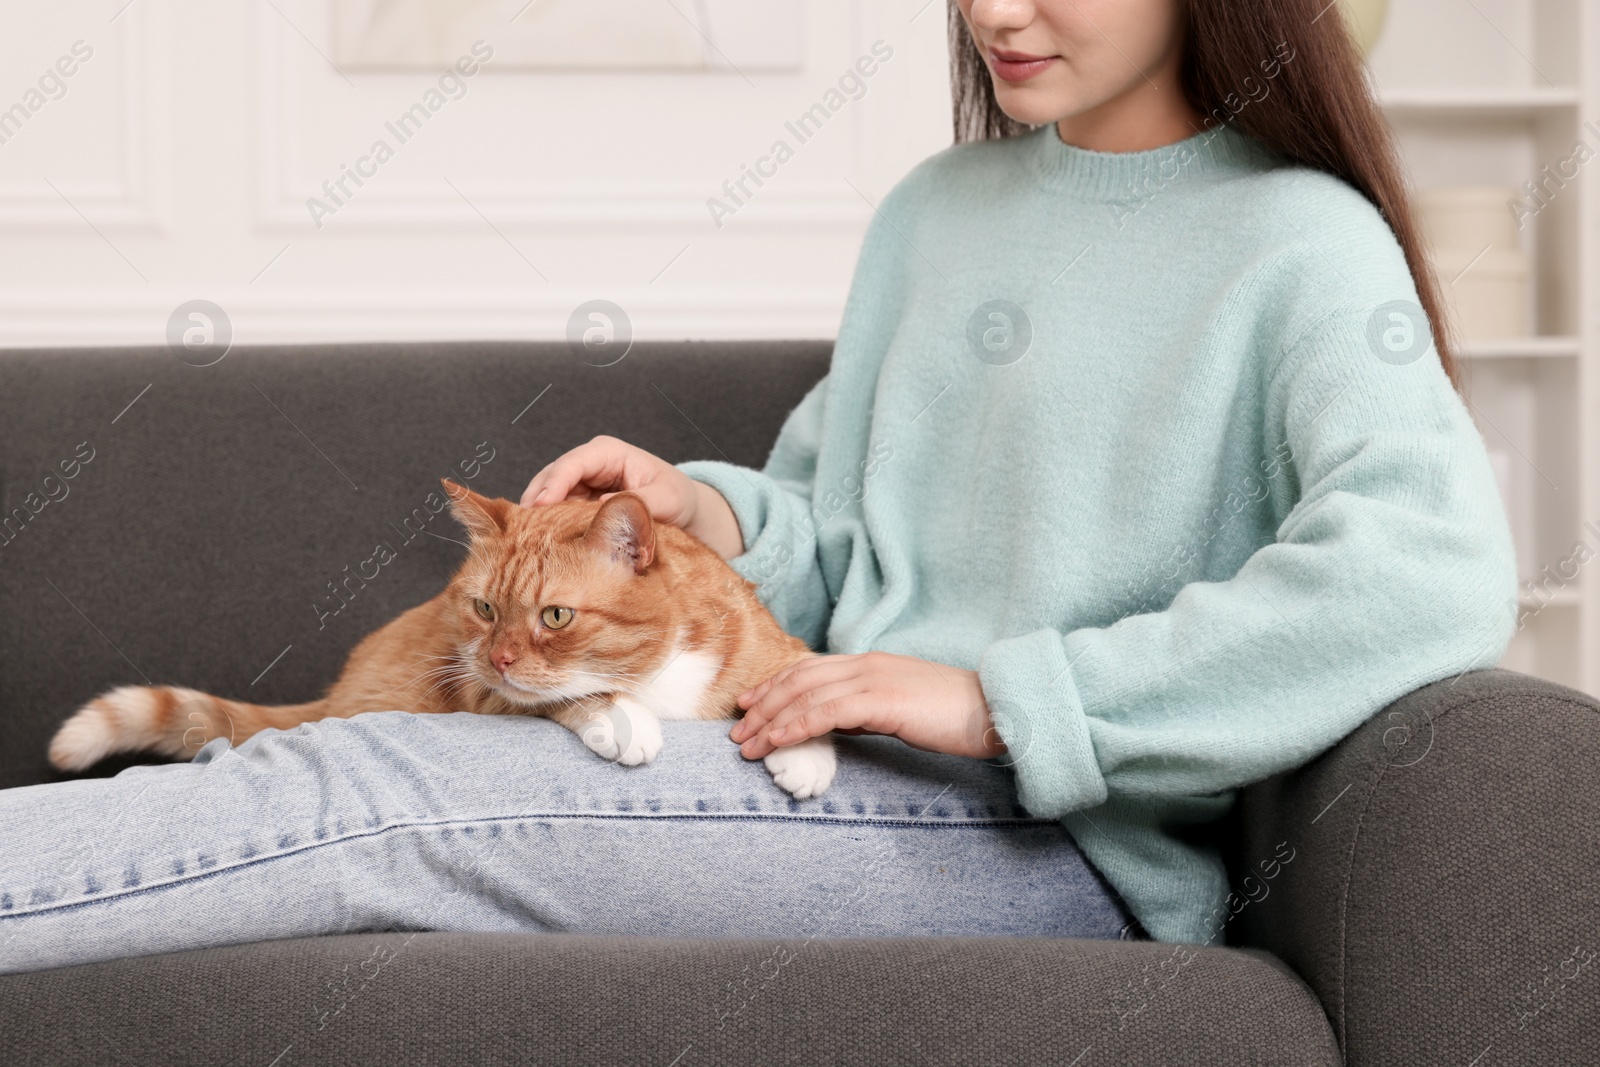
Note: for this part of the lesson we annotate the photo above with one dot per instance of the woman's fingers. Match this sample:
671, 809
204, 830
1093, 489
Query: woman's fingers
844, 705
777, 692
754, 697
597, 465
753, 694
606, 466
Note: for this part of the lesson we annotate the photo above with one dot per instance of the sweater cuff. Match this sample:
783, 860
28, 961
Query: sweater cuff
1038, 712
748, 495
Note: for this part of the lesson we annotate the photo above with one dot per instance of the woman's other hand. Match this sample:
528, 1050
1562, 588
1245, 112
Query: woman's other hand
605, 466
927, 705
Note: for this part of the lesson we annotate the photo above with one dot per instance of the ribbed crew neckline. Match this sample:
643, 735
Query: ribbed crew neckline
1112, 176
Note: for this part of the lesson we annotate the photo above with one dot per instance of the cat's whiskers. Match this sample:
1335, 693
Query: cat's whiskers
430, 680
441, 674
453, 673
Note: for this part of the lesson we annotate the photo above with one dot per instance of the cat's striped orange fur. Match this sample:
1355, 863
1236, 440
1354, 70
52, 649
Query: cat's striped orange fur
660, 627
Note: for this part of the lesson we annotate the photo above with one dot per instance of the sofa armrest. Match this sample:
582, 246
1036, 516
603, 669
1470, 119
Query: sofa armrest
1443, 894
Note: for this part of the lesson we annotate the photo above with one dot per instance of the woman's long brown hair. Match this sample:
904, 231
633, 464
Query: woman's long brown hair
1319, 109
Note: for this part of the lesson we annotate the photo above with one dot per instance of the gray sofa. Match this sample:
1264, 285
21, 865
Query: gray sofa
1425, 893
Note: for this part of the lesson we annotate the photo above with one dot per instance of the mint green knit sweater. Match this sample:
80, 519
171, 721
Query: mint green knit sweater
1197, 510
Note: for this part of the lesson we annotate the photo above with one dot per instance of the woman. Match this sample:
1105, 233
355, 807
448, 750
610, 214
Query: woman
1219, 508
1138, 475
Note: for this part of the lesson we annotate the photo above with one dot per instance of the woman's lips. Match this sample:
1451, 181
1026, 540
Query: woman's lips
1018, 66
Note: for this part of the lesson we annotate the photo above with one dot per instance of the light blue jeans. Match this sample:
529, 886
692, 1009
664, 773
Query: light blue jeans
394, 821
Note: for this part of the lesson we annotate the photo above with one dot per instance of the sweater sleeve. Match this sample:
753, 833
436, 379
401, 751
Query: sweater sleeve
1393, 568
773, 507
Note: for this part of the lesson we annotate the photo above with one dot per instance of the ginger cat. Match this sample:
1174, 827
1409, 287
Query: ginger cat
587, 613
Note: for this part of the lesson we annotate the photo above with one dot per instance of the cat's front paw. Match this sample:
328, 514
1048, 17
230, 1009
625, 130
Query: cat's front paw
805, 769
624, 733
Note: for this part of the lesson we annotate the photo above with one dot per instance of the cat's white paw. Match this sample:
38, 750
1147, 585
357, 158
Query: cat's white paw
624, 733
804, 770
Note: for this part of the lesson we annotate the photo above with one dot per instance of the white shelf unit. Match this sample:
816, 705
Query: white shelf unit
1479, 101
1489, 93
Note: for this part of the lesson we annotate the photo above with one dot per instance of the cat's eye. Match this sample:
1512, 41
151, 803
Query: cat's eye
485, 609
555, 617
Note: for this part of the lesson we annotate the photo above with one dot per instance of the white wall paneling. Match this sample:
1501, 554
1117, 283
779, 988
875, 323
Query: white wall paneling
83, 144
207, 127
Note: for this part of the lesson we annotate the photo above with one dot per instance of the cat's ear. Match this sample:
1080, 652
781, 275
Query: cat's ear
622, 530
483, 516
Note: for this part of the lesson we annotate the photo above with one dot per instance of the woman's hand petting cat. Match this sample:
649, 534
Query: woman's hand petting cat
927, 705
606, 466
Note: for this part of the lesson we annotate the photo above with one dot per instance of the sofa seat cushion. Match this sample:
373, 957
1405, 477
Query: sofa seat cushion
437, 998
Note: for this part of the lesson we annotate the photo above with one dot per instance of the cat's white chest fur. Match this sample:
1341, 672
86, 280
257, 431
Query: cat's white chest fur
678, 688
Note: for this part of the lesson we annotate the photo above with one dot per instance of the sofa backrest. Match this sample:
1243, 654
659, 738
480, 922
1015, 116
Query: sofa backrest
183, 524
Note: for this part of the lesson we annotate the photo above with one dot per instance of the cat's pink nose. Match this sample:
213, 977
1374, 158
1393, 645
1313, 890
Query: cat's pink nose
503, 660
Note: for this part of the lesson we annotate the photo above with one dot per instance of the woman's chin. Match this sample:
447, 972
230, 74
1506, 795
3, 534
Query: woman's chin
1042, 103
1027, 104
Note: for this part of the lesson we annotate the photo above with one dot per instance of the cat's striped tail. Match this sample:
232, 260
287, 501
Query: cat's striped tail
165, 719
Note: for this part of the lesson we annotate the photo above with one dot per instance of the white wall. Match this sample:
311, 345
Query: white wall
178, 163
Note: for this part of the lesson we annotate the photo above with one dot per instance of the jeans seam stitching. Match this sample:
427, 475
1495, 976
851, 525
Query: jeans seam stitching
696, 816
